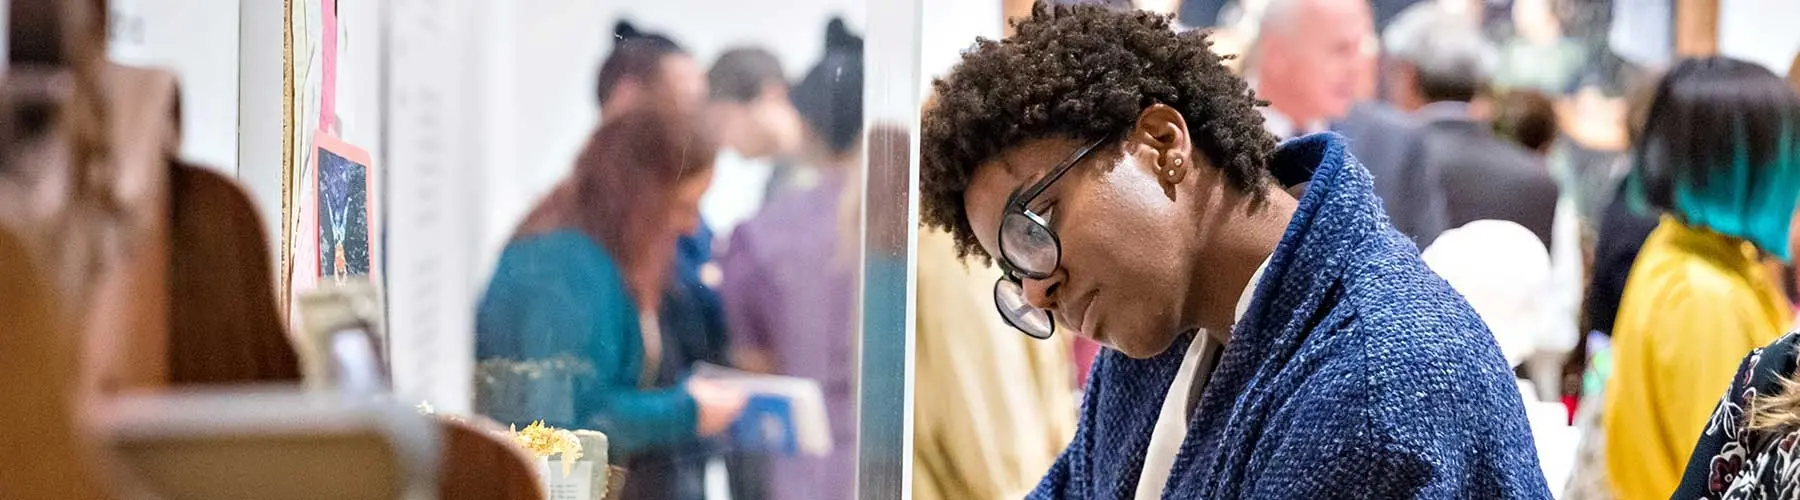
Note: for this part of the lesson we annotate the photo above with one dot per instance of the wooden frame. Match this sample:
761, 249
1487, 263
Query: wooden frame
287, 154
1696, 28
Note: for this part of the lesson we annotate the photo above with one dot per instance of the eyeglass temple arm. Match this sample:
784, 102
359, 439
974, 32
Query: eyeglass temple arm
1057, 173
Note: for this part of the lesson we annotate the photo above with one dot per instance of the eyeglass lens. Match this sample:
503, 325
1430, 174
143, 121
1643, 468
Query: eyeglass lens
1028, 245
1009, 297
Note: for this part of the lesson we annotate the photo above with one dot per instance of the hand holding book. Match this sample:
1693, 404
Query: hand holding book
719, 404
773, 414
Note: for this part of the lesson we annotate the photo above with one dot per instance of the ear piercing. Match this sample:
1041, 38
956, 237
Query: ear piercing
1171, 172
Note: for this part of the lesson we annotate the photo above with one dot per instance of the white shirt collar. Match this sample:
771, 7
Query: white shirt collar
1445, 111
1283, 127
1243, 303
738, 186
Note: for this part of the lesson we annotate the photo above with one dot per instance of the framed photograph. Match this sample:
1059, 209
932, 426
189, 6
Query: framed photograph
345, 238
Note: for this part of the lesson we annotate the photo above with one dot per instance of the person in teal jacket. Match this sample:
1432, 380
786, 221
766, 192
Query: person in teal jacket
566, 332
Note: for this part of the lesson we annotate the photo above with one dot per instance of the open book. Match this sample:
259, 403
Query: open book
784, 415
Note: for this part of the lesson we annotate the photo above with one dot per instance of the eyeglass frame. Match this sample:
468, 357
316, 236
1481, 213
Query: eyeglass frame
1020, 203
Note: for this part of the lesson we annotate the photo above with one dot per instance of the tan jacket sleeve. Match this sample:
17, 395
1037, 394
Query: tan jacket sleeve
992, 407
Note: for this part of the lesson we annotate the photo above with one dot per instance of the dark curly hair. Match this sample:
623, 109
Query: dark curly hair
1081, 72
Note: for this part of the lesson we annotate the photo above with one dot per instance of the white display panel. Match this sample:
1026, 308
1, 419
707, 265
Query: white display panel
433, 197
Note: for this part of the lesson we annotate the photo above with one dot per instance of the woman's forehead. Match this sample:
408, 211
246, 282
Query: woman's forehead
1009, 172
996, 180
1029, 160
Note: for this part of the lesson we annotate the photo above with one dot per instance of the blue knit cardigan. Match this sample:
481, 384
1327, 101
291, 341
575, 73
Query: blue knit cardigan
1356, 373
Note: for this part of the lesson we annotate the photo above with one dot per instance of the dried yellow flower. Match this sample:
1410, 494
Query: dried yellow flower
544, 441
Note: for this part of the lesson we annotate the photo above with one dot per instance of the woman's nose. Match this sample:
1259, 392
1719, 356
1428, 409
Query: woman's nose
1041, 293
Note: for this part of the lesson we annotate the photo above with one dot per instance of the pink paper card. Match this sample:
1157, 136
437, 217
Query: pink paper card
328, 34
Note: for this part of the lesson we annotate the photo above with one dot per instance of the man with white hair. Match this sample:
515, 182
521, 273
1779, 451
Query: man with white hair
1314, 62
1441, 63
1309, 61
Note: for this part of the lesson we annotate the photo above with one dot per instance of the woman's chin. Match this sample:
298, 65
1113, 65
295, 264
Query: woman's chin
1142, 348
1133, 350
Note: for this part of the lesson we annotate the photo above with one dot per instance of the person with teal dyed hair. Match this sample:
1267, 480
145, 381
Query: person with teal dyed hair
1719, 156
1725, 154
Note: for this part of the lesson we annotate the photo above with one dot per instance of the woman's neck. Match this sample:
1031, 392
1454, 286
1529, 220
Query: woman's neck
646, 276
647, 300
1234, 257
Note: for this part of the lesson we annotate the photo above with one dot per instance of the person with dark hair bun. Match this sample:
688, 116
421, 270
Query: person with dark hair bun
830, 108
647, 69
1259, 346
790, 271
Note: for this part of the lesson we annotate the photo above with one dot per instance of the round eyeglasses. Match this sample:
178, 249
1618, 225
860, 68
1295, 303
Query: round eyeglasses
1029, 249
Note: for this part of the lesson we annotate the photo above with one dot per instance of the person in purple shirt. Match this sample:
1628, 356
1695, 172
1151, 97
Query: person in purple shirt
790, 271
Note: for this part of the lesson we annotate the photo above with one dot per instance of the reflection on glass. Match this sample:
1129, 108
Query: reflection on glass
790, 271
688, 287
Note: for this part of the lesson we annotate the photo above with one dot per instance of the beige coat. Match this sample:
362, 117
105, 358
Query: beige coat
992, 407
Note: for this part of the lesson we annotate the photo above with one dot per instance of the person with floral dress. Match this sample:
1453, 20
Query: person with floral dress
1748, 448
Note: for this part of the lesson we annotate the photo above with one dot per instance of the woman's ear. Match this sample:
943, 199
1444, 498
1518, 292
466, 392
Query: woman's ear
1163, 134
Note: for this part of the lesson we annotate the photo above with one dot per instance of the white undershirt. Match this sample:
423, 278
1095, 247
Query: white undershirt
1171, 423
1284, 128
736, 194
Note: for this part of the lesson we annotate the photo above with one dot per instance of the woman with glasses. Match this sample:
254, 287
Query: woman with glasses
1261, 346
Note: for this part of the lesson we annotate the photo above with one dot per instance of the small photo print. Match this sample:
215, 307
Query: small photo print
344, 209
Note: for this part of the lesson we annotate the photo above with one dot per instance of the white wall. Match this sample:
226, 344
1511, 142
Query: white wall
259, 120
1761, 31
545, 56
198, 41
949, 28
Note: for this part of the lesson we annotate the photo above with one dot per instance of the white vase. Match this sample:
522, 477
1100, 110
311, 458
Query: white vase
577, 484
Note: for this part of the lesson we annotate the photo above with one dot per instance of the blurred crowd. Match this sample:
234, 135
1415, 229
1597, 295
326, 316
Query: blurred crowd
1620, 218
706, 221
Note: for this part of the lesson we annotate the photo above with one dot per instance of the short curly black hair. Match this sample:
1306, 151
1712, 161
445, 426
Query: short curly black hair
1082, 72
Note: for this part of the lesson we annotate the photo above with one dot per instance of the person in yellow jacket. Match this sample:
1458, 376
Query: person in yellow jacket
1720, 157
992, 408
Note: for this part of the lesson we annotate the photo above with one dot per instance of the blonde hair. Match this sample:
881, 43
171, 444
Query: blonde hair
1776, 411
